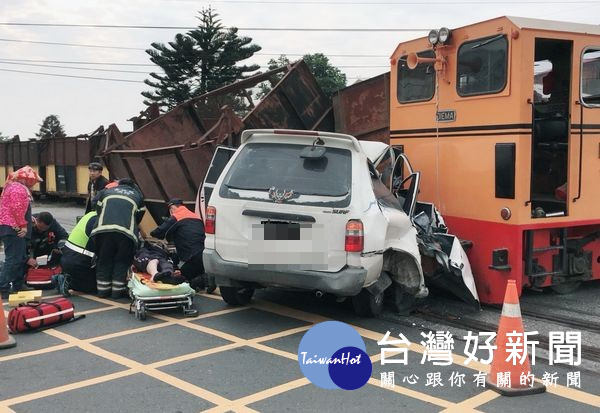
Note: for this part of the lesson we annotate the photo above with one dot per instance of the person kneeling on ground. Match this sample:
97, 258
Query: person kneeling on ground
186, 230
77, 259
155, 261
47, 238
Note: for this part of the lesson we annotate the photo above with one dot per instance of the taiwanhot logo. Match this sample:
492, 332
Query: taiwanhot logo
332, 355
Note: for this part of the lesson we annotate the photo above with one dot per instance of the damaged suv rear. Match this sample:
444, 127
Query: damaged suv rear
308, 210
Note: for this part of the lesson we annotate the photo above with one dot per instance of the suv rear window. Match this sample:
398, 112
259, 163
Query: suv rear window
259, 167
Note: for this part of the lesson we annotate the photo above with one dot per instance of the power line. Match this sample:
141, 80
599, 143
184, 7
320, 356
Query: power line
76, 62
71, 44
72, 76
392, 3
140, 48
71, 68
263, 66
271, 29
326, 54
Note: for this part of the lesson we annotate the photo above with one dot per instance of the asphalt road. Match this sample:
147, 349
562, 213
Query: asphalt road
245, 359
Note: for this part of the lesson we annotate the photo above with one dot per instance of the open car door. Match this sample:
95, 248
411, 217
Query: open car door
219, 161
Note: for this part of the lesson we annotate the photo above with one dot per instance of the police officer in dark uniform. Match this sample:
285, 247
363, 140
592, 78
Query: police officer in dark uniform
186, 230
96, 184
120, 209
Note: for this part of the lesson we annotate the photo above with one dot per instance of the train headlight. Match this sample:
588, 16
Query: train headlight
444, 35
505, 213
433, 37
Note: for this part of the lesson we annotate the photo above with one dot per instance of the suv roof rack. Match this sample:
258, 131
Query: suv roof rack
247, 134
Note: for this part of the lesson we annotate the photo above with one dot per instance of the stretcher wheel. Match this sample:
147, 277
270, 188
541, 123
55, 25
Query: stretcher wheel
190, 312
140, 312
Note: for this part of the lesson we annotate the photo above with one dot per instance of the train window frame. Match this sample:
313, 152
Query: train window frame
483, 40
581, 64
429, 53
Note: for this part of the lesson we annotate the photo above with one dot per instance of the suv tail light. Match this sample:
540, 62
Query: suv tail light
210, 221
354, 236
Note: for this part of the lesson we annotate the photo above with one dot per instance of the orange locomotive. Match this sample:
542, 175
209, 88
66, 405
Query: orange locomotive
502, 118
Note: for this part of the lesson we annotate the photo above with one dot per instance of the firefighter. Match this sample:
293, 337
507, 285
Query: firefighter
77, 259
120, 209
186, 230
95, 185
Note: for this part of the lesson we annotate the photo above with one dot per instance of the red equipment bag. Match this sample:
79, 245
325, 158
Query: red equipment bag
40, 277
38, 314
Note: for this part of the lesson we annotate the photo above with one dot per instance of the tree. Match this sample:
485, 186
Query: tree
51, 128
329, 78
3, 137
201, 60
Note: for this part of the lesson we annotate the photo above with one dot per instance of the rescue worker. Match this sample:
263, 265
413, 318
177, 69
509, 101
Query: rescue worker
120, 209
79, 272
47, 238
186, 230
95, 185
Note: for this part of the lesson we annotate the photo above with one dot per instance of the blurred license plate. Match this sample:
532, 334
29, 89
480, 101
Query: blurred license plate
281, 231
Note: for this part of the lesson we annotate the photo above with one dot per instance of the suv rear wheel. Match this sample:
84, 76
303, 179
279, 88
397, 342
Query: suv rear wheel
236, 295
366, 304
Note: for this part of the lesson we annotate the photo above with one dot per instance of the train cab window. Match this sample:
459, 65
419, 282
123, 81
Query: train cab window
590, 77
482, 66
418, 84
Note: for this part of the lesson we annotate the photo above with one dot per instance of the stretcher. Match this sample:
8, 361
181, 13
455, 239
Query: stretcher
147, 295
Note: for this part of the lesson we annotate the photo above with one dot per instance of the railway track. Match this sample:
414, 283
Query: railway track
588, 352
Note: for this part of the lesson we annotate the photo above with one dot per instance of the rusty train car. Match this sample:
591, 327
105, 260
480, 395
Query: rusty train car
169, 154
61, 162
502, 118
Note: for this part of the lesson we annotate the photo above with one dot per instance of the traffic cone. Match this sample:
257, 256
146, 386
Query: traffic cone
6, 340
511, 321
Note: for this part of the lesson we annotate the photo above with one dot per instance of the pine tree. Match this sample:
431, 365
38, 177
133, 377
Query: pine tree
51, 128
179, 62
201, 60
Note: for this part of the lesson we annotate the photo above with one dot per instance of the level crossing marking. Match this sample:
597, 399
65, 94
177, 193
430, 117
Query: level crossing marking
240, 405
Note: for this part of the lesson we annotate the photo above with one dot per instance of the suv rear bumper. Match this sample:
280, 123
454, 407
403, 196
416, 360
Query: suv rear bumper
346, 282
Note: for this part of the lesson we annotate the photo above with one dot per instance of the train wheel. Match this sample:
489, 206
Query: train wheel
566, 288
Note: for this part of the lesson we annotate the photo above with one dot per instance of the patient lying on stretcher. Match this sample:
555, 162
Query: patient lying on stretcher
155, 261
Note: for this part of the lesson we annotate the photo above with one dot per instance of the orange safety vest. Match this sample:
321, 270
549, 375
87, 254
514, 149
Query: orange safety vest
182, 213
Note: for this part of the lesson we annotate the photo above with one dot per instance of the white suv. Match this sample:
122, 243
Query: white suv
307, 210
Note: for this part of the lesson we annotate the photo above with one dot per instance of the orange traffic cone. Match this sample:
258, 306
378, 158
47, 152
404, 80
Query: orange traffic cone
6, 340
509, 383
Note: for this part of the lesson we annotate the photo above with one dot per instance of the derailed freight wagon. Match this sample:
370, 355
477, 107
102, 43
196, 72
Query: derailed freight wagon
15, 154
61, 162
502, 119
169, 155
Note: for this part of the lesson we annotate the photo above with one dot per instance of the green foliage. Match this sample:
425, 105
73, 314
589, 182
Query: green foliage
201, 60
51, 128
3, 137
329, 78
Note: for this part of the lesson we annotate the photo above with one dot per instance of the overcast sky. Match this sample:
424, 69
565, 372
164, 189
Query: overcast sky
84, 104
